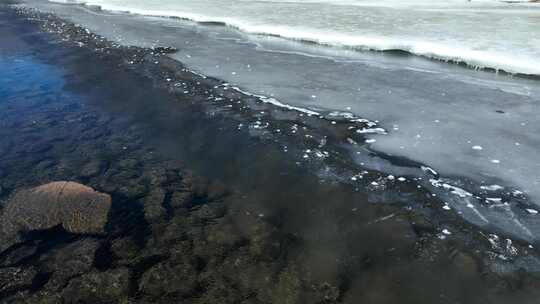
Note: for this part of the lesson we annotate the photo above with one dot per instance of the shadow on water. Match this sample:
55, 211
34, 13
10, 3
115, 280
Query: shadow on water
66, 107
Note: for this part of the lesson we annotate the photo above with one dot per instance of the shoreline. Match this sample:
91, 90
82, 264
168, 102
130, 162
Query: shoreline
276, 217
428, 55
319, 82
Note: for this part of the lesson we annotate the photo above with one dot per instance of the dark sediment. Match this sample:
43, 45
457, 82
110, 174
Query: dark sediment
260, 228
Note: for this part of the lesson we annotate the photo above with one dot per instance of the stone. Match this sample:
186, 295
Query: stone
124, 249
287, 289
77, 208
133, 189
68, 261
216, 190
44, 165
224, 234
18, 254
326, 293
93, 168
155, 176
128, 164
168, 278
153, 205
181, 199
110, 286
203, 188
13, 278
209, 211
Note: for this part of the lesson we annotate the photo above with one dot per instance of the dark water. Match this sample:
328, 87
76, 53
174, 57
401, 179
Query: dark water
67, 113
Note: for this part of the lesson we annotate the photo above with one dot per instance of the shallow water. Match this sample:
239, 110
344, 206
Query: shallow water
369, 243
476, 130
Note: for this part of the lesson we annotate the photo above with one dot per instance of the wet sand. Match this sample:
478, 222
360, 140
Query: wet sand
209, 203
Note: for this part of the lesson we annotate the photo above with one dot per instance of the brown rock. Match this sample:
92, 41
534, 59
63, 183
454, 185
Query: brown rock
78, 208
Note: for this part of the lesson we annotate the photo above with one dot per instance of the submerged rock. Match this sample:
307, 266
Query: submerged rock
77, 208
69, 261
13, 278
92, 168
98, 287
153, 205
18, 254
181, 199
124, 250
287, 289
167, 278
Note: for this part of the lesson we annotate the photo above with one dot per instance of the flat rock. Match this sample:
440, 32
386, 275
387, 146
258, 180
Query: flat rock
77, 208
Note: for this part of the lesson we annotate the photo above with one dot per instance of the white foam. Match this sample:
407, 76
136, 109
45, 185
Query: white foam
274, 101
473, 48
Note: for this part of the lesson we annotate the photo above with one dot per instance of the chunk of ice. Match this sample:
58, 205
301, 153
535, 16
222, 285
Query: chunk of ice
532, 211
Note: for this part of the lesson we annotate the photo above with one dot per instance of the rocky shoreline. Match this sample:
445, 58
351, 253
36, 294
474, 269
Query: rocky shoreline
172, 235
